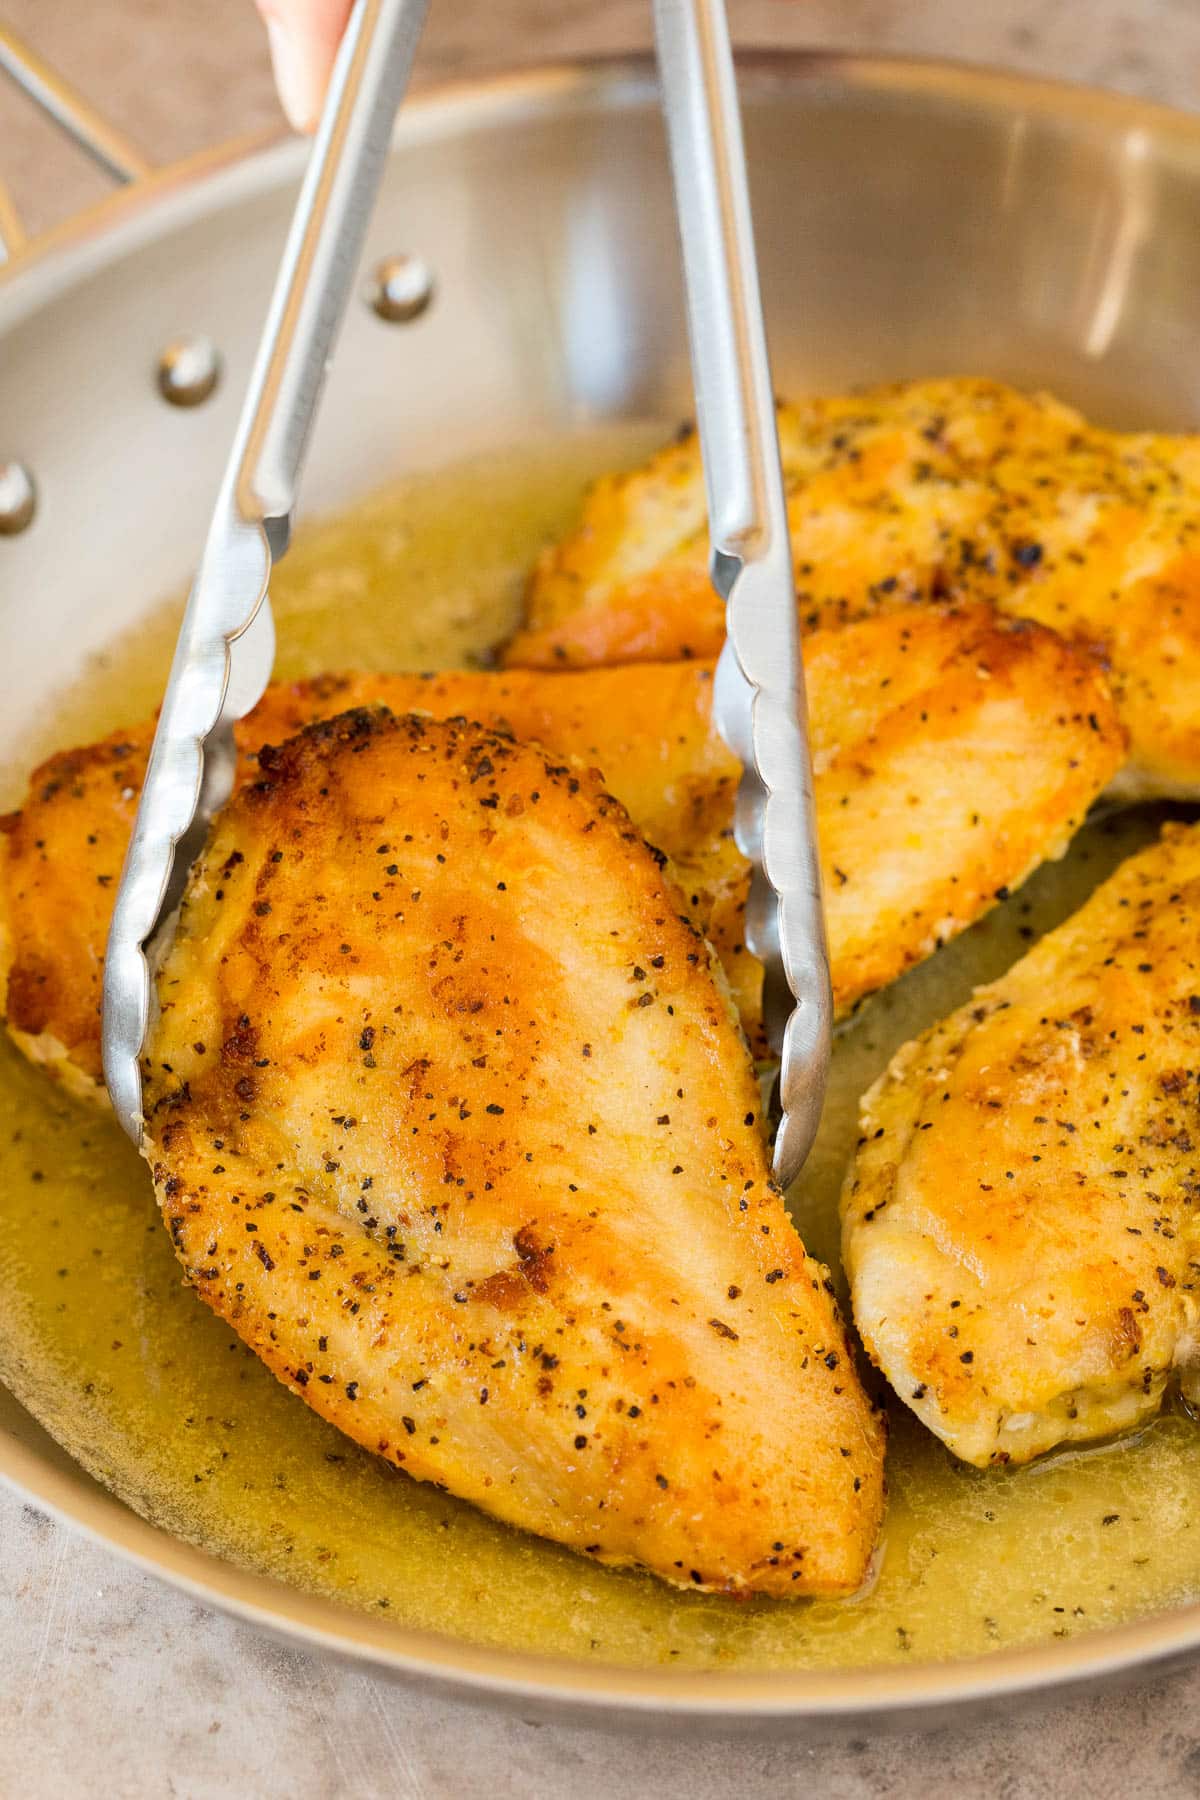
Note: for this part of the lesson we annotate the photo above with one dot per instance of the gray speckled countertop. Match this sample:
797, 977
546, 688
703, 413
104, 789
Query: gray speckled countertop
114, 1685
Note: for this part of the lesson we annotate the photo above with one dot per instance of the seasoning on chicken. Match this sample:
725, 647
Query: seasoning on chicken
950, 490
952, 754
449, 1118
1021, 1227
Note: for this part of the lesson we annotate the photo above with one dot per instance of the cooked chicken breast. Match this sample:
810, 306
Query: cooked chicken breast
1021, 1226
952, 755
958, 490
449, 1117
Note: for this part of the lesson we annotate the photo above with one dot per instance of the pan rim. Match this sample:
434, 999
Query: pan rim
195, 189
253, 162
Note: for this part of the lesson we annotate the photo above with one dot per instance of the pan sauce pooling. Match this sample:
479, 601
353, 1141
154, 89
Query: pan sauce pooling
969, 1561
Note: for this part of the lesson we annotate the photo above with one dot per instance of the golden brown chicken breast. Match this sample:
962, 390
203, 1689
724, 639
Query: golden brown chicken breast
450, 1118
959, 490
1021, 1225
952, 755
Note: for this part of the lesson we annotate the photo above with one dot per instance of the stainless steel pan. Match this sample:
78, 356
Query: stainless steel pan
912, 219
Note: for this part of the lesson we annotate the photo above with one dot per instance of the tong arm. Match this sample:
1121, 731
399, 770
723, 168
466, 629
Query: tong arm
226, 643
759, 697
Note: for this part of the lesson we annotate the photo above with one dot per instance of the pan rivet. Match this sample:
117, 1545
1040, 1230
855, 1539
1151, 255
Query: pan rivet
18, 498
400, 288
188, 371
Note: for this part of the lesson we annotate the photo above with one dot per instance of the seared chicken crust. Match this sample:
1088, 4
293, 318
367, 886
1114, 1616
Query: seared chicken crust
449, 1117
952, 754
1021, 1226
951, 490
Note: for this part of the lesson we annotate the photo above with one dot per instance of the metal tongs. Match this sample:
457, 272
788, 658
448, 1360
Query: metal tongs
226, 643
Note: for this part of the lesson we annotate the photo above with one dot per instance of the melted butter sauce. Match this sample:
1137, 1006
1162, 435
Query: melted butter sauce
158, 1399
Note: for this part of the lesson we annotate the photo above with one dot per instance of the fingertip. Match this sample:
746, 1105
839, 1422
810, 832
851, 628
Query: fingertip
295, 78
303, 36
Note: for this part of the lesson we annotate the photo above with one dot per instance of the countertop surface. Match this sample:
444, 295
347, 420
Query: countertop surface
114, 1685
